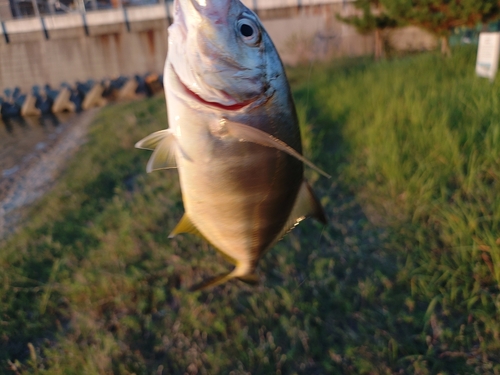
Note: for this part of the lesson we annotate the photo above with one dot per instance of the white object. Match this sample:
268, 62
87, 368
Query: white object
487, 55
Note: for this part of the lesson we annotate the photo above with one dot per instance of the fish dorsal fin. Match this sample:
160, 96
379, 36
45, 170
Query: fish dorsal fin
185, 225
306, 205
251, 134
163, 143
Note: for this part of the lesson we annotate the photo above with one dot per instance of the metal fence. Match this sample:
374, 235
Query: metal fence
12, 9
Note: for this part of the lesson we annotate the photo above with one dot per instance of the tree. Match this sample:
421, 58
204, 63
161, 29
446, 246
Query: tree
373, 18
440, 17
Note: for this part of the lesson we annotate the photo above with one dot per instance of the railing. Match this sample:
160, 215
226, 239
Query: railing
14, 9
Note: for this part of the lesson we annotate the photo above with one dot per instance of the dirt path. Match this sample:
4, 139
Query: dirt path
31, 177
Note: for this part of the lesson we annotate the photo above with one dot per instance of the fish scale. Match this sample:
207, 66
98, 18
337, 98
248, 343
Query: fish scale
233, 135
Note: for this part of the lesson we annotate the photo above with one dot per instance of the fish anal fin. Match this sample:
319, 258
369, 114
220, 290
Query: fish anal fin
185, 225
306, 205
251, 134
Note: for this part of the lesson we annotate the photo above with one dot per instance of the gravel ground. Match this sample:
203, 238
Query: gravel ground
33, 174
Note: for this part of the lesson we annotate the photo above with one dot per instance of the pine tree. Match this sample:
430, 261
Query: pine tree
440, 17
373, 18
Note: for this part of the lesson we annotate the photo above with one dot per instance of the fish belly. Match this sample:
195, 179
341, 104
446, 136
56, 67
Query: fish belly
238, 194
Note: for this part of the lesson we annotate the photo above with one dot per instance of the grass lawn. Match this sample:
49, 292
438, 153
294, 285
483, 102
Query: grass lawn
403, 280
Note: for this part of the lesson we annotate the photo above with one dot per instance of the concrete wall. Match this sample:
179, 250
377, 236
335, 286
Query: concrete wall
5, 10
69, 54
314, 33
67, 48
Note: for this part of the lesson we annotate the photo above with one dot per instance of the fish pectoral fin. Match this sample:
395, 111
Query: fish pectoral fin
250, 134
306, 205
152, 140
163, 143
185, 225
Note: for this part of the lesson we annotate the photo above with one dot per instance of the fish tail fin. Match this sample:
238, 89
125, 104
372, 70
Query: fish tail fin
221, 279
251, 279
240, 272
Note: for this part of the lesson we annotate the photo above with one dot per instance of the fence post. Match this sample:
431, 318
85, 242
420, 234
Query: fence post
35, 8
125, 17
81, 5
51, 6
44, 27
5, 34
85, 25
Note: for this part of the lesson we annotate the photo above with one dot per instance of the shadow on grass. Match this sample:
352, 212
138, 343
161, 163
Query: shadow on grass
363, 316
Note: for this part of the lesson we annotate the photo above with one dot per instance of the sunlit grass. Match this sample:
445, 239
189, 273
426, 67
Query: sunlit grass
404, 279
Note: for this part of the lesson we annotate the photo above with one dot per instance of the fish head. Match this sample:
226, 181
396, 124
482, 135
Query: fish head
221, 54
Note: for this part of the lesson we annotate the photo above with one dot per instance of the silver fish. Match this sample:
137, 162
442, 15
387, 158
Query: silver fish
233, 135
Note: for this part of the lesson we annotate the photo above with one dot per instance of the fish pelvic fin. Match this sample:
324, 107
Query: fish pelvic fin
240, 272
306, 205
185, 225
250, 134
163, 143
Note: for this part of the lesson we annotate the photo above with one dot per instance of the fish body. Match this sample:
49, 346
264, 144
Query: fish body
233, 134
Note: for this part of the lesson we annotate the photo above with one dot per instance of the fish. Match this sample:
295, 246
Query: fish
233, 135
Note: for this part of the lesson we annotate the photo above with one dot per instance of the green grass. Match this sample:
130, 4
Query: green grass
403, 280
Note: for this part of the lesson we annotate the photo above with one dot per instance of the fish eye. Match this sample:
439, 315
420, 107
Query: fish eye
248, 31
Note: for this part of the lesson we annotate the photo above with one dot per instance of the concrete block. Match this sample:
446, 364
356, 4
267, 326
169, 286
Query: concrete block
28, 108
94, 97
128, 90
62, 102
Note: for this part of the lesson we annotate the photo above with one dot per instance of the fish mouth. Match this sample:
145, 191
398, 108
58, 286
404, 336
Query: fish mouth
255, 101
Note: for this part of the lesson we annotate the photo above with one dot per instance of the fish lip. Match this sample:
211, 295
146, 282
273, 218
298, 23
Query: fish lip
254, 102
